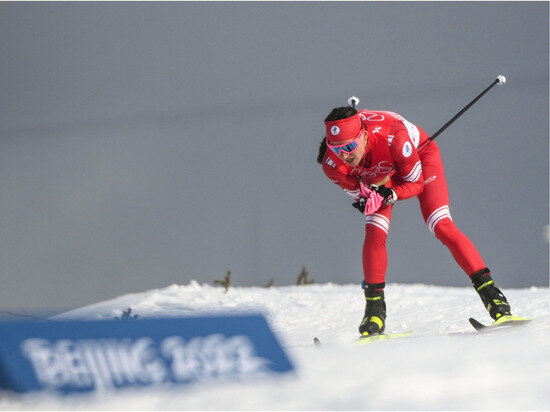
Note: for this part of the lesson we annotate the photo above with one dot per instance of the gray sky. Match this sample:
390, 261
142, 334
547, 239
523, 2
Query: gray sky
145, 144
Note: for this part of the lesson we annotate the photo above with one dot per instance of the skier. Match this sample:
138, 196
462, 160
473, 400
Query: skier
360, 149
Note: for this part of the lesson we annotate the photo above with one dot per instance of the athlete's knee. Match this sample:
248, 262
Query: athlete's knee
377, 224
438, 216
376, 232
445, 230
441, 224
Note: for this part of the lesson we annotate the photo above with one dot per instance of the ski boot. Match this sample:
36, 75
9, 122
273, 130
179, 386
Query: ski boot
374, 320
491, 296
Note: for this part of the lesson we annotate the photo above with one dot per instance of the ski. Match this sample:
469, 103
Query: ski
362, 340
506, 320
374, 338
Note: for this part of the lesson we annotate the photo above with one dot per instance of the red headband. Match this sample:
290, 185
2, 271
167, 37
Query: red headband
343, 129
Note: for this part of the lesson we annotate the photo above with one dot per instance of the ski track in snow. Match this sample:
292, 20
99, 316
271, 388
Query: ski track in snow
444, 365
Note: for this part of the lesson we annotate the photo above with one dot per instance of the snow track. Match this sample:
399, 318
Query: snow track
445, 364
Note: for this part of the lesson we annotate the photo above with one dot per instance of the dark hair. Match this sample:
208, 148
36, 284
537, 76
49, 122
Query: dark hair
337, 113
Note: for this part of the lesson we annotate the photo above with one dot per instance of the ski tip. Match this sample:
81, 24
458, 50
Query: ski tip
477, 325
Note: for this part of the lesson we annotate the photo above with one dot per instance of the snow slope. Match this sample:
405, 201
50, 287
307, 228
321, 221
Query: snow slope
443, 365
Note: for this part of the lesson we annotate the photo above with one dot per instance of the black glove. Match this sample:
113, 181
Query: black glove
360, 205
388, 194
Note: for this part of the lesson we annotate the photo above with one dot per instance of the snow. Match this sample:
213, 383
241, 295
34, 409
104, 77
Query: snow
444, 365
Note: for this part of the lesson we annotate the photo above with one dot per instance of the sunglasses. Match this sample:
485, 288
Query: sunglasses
348, 147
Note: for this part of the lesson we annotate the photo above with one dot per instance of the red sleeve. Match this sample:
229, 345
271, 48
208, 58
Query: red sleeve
336, 171
408, 179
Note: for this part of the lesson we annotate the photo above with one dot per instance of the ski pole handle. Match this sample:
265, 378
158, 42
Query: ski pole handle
384, 180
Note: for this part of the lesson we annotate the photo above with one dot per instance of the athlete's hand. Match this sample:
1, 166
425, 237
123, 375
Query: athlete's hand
373, 203
360, 205
364, 190
370, 201
388, 195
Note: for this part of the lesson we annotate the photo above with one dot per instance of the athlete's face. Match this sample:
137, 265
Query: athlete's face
354, 157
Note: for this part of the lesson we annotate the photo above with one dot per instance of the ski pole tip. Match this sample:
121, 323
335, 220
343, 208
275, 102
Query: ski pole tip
501, 79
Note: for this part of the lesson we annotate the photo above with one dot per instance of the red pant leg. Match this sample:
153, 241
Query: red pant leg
434, 203
375, 257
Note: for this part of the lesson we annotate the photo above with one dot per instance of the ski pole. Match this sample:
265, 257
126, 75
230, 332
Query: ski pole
499, 80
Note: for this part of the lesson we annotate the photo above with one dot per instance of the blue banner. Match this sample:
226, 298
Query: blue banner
97, 355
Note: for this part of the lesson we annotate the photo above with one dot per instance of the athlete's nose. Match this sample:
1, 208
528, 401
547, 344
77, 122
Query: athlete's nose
343, 155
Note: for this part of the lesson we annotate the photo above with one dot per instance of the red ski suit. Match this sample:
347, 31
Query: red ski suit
392, 144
